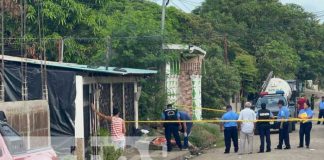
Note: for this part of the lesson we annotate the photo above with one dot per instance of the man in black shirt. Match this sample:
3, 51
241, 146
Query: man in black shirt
264, 127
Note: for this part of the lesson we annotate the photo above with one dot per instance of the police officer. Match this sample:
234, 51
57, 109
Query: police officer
283, 116
321, 111
264, 127
305, 126
171, 114
230, 129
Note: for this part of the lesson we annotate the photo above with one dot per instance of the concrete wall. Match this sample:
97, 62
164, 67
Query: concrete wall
30, 119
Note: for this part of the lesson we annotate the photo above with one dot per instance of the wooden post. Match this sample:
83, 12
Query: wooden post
136, 95
111, 99
124, 110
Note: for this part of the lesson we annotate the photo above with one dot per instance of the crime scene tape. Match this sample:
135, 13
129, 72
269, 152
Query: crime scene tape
223, 121
202, 108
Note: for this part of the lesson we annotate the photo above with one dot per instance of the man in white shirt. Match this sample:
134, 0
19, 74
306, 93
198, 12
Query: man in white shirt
248, 118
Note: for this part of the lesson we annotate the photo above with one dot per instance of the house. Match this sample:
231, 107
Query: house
43, 98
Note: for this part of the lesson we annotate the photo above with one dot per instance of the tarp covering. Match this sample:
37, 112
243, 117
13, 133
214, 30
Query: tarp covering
61, 93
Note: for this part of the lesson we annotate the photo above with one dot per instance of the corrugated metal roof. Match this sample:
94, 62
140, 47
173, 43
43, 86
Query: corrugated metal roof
99, 69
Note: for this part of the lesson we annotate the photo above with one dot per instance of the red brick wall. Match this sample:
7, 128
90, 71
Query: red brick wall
188, 67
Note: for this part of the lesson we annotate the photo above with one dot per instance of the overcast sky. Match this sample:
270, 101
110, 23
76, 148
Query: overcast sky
314, 6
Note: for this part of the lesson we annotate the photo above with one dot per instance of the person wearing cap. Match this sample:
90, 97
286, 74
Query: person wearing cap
321, 111
230, 129
248, 118
283, 116
264, 127
171, 128
305, 126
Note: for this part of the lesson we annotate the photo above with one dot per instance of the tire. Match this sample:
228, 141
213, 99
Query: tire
256, 131
290, 127
293, 126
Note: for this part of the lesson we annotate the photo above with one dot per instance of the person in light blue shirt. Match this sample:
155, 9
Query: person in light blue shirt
305, 125
283, 114
321, 111
230, 129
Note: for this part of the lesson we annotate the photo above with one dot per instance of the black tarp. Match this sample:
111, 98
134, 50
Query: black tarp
61, 93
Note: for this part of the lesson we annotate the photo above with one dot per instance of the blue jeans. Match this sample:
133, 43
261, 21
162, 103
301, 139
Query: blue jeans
186, 139
264, 131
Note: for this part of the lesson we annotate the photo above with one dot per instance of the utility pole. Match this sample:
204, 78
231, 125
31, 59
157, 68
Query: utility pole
225, 49
2, 53
108, 51
164, 3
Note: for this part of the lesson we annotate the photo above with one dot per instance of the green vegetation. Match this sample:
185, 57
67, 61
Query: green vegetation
206, 135
261, 36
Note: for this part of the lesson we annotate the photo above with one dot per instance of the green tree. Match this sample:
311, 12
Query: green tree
219, 83
279, 58
246, 65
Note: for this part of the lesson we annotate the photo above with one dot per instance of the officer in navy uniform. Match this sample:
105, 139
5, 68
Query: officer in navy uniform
264, 127
283, 116
230, 129
171, 114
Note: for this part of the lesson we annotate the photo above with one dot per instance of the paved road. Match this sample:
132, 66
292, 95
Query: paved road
316, 150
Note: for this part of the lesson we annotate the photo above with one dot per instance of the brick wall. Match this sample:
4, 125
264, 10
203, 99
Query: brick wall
188, 67
30, 119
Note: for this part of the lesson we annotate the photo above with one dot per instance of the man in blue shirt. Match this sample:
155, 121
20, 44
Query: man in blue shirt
186, 127
321, 111
305, 125
230, 129
283, 116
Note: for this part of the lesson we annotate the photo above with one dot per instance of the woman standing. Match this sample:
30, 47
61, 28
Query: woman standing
305, 125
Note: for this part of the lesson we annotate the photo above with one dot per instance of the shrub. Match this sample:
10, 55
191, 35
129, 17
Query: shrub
206, 135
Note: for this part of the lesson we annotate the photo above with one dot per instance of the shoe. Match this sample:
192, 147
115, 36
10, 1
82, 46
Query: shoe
268, 150
307, 146
261, 152
287, 148
236, 151
300, 146
278, 148
226, 152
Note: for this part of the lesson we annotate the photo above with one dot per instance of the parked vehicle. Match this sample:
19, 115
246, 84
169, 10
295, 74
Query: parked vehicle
277, 89
12, 147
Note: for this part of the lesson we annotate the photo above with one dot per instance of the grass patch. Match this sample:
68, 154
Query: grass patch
206, 135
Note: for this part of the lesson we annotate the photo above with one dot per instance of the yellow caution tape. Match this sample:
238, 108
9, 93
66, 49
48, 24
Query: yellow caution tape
202, 108
223, 121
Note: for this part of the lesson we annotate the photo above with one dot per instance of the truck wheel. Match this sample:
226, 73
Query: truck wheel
290, 127
256, 132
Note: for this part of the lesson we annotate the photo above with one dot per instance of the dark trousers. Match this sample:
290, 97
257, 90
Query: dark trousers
172, 129
305, 129
321, 115
284, 135
264, 131
230, 133
186, 139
